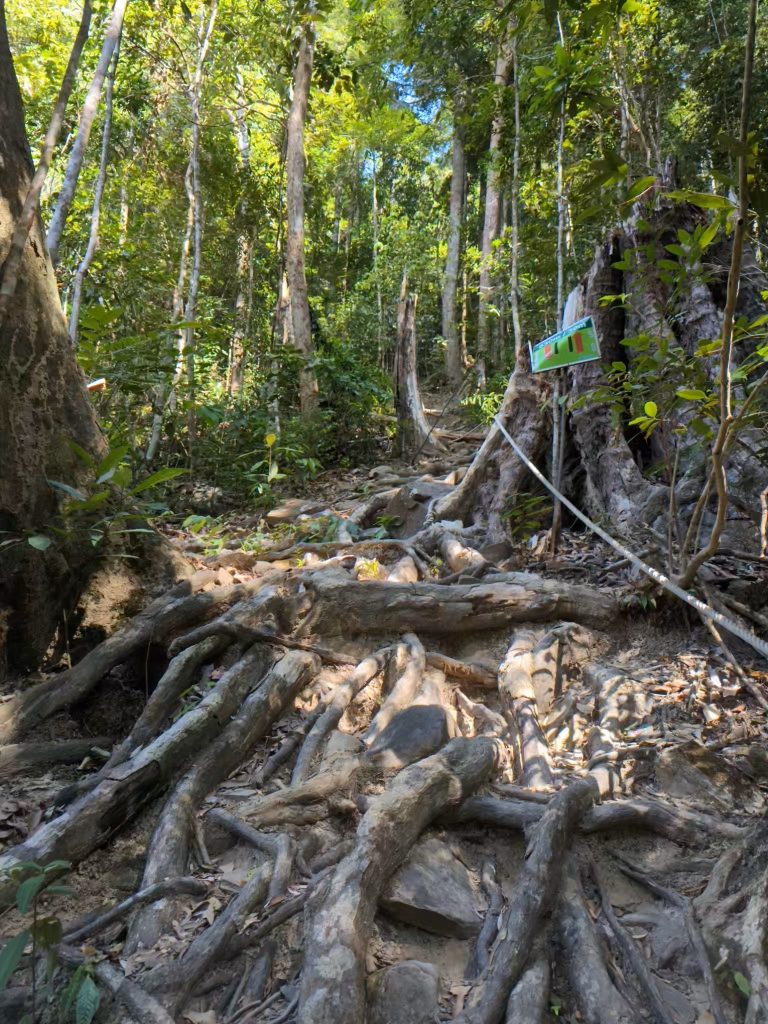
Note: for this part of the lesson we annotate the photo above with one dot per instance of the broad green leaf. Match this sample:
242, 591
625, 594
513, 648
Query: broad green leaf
27, 892
110, 463
95, 501
691, 394
704, 200
742, 984
158, 478
71, 491
39, 541
709, 234
640, 186
87, 1002
650, 409
10, 955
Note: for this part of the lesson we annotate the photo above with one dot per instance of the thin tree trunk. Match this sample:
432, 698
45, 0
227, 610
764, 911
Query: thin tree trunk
101, 179
294, 262
9, 272
375, 229
558, 408
244, 254
491, 219
453, 364
521, 359
77, 154
196, 204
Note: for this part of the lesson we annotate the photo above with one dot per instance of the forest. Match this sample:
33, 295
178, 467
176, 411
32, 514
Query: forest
383, 512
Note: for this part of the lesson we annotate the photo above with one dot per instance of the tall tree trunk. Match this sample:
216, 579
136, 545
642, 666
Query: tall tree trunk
491, 219
161, 400
521, 357
9, 273
195, 192
375, 229
101, 179
244, 253
453, 363
44, 405
77, 153
294, 256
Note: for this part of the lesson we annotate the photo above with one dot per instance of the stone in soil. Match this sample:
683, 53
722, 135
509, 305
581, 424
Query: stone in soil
405, 993
414, 733
432, 891
694, 773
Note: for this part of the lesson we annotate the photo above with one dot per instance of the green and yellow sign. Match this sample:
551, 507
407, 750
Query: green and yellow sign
576, 344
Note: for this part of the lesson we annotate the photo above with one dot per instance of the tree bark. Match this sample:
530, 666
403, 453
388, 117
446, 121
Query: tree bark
44, 405
294, 244
101, 180
491, 219
412, 428
244, 252
77, 154
187, 350
454, 368
9, 273
521, 356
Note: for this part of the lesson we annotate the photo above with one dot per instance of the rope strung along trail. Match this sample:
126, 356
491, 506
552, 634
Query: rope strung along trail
704, 609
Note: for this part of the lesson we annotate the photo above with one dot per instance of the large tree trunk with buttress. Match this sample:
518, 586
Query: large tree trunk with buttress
44, 406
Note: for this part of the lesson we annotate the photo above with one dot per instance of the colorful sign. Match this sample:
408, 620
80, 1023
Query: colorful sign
576, 344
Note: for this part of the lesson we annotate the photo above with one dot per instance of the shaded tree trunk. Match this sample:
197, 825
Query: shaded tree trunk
521, 357
491, 218
44, 405
244, 254
77, 153
101, 180
453, 363
196, 205
294, 257
9, 273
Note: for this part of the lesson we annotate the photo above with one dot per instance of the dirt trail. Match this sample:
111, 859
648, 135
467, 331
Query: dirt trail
378, 770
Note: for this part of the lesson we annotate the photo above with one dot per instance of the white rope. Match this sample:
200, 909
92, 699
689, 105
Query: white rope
704, 609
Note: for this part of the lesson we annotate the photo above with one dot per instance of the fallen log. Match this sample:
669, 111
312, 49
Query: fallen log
344, 606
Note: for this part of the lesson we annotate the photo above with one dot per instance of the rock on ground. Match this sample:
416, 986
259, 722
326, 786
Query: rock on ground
406, 993
432, 891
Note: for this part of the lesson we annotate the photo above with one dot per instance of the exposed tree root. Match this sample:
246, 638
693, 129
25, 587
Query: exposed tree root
17, 757
332, 983
324, 816
174, 610
538, 885
169, 849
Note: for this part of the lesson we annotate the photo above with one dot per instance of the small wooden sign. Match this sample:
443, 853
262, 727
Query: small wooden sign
576, 344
